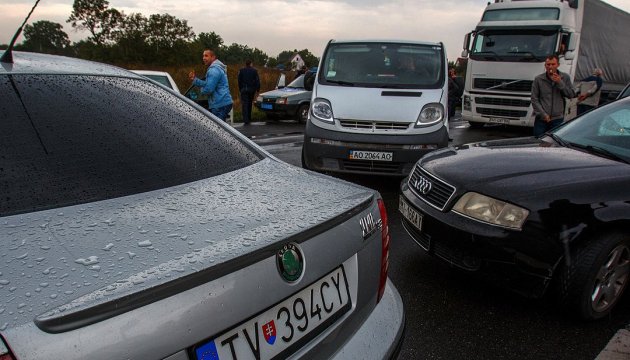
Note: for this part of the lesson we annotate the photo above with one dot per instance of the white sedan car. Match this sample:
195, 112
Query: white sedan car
161, 77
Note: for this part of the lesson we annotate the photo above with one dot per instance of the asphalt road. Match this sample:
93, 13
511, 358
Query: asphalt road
451, 314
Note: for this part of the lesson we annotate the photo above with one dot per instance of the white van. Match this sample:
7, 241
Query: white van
377, 107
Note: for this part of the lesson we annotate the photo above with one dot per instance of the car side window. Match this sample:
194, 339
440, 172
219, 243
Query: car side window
71, 139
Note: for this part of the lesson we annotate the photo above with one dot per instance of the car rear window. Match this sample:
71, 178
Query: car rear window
72, 139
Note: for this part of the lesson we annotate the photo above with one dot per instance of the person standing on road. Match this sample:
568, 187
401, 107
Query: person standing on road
549, 91
248, 86
215, 85
455, 92
590, 92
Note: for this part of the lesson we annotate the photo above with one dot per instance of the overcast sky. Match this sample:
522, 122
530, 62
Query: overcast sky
274, 26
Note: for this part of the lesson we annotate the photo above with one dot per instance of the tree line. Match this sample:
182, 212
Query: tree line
159, 39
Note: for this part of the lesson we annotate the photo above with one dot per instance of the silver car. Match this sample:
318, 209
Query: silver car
286, 102
135, 225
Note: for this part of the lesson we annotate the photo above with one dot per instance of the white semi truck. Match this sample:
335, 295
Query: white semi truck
508, 48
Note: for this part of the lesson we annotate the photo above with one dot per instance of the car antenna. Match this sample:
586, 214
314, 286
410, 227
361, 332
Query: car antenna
7, 57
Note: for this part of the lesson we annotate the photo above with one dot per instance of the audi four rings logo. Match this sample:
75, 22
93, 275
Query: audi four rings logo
423, 185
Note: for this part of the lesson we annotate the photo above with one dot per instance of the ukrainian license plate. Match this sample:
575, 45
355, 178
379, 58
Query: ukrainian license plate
370, 155
499, 120
275, 331
266, 106
409, 213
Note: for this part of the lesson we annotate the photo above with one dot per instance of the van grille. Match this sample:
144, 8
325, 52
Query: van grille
383, 167
373, 125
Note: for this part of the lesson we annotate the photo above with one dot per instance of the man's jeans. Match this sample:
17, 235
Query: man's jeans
222, 112
541, 127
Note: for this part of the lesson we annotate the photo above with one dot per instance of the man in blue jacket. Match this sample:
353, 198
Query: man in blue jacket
215, 85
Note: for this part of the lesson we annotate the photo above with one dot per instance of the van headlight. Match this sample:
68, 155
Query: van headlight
490, 210
431, 114
322, 110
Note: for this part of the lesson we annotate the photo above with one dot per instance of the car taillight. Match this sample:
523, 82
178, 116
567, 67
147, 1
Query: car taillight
5, 353
385, 249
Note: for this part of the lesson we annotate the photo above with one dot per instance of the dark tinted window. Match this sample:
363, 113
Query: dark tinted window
73, 139
390, 65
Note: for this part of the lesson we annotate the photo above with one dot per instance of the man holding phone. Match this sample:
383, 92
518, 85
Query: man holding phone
549, 92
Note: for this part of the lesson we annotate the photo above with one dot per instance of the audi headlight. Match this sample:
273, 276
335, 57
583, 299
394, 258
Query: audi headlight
322, 110
259, 98
281, 100
493, 211
430, 114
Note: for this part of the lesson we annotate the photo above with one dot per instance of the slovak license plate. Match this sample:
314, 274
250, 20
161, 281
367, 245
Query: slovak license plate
266, 106
273, 332
410, 213
370, 155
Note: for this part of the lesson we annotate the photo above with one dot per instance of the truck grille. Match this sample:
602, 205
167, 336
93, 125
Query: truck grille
429, 188
373, 125
501, 102
510, 85
501, 112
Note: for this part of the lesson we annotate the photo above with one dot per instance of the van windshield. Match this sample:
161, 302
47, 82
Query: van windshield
384, 65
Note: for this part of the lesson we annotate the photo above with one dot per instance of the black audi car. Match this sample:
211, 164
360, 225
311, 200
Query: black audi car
537, 215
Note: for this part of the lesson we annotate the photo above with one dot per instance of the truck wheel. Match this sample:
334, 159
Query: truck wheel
476, 125
302, 114
598, 273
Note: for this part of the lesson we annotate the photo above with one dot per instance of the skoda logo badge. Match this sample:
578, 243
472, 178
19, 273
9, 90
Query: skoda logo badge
290, 262
423, 185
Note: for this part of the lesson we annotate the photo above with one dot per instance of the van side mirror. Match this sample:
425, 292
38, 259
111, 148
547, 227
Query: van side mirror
569, 55
309, 80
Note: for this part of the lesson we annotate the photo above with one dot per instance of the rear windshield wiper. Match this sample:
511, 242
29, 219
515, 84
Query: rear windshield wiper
341, 82
600, 151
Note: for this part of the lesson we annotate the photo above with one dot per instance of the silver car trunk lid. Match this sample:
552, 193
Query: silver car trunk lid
87, 262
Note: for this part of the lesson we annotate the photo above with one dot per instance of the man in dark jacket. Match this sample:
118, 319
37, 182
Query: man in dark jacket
591, 90
455, 91
248, 86
549, 91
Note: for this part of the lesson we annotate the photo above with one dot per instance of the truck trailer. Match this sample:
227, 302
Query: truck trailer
509, 46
